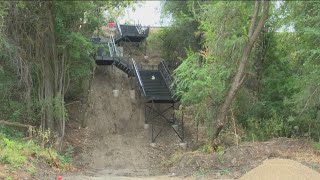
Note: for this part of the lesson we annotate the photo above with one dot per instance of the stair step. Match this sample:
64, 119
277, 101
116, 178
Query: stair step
154, 82
151, 81
160, 93
157, 91
156, 88
163, 92
123, 66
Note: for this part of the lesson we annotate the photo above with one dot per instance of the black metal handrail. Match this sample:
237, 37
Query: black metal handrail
164, 70
137, 75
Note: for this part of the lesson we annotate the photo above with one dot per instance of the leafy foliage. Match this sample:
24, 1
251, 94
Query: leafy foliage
280, 96
203, 77
183, 33
47, 52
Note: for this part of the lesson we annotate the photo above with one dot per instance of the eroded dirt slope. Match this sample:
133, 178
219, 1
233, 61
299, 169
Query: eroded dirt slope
117, 142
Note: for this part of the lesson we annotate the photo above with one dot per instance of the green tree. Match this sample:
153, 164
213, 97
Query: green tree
183, 32
51, 53
229, 38
303, 18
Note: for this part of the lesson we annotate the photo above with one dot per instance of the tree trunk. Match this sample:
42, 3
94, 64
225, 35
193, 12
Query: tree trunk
239, 77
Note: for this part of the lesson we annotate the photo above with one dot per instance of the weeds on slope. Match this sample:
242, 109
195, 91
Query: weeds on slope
25, 156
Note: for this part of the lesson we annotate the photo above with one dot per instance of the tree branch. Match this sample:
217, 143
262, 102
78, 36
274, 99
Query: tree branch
15, 124
305, 106
19, 125
254, 18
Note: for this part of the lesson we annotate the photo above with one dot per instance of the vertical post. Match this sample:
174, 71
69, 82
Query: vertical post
152, 140
113, 74
173, 114
145, 114
145, 49
182, 126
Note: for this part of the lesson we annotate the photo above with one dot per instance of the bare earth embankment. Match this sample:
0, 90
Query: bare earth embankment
116, 146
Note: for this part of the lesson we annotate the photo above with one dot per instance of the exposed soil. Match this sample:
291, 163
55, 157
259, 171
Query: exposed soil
115, 141
238, 160
115, 145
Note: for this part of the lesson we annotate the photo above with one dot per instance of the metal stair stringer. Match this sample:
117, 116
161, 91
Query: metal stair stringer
123, 66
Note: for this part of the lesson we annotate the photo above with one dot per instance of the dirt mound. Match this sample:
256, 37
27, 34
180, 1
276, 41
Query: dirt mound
281, 169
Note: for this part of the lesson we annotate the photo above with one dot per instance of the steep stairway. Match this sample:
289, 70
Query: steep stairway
155, 86
123, 66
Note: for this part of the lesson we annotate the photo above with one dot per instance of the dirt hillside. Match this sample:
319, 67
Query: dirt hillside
115, 145
116, 142
114, 122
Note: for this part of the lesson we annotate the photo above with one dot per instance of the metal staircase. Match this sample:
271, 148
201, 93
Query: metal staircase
123, 66
134, 33
155, 85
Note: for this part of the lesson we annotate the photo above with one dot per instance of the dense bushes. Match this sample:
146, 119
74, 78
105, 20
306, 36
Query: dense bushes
280, 95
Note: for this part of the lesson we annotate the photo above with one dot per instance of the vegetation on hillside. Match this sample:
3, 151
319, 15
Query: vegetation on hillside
26, 156
279, 86
246, 68
45, 60
46, 57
